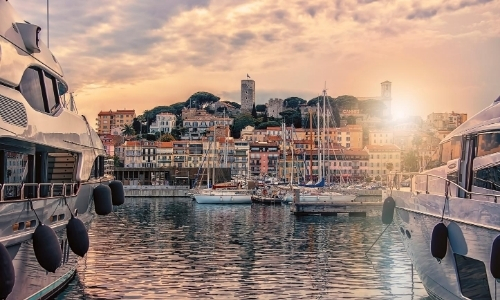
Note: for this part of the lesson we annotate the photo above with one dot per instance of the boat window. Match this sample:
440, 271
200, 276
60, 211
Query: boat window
31, 89
488, 143
488, 178
456, 147
472, 277
52, 92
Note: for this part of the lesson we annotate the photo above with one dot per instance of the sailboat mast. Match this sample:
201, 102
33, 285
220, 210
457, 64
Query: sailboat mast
311, 144
324, 133
292, 148
283, 137
318, 138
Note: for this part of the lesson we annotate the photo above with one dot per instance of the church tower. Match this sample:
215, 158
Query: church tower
386, 97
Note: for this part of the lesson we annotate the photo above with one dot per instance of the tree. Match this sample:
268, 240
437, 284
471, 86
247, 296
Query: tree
201, 100
374, 108
167, 137
136, 125
347, 102
233, 104
293, 102
254, 112
264, 125
389, 166
151, 137
291, 116
351, 120
410, 161
261, 108
128, 130
240, 122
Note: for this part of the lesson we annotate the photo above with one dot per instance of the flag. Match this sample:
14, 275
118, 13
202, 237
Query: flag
248, 76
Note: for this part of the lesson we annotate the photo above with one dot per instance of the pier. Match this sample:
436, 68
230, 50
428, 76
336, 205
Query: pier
367, 202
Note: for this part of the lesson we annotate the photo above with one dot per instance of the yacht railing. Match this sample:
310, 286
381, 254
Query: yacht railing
397, 178
66, 190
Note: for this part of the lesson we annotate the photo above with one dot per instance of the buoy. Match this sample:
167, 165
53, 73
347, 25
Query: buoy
388, 210
117, 192
7, 274
495, 258
439, 241
47, 249
78, 238
102, 200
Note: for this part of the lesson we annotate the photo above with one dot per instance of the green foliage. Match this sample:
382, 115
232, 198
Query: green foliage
368, 179
254, 112
377, 178
167, 137
347, 102
240, 122
201, 100
233, 104
293, 102
128, 130
389, 166
372, 108
291, 116
151, 137
264, 125
178, 132
221, 109
410, 161
351, 120
260, 107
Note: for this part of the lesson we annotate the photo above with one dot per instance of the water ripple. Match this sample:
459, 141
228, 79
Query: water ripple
175, 248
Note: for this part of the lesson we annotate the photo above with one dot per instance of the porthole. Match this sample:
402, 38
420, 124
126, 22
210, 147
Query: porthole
402, 230
408, 234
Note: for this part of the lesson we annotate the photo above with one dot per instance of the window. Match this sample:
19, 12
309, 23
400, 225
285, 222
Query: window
488, 178
51, 92
488, 143
31, 89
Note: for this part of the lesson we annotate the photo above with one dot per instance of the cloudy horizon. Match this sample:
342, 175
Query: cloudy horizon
440, 55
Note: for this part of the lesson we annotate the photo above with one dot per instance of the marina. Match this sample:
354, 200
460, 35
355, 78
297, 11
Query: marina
177, 248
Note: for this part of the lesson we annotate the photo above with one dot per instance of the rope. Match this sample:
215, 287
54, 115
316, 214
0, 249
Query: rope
377, 239
446, 195
31, 205
66, 202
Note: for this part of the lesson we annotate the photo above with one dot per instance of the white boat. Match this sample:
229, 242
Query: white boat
223, 197
449, 218
52, 164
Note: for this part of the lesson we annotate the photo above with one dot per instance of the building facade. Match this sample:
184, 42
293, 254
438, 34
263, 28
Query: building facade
108, 120
274, 107
164, 123
446, 121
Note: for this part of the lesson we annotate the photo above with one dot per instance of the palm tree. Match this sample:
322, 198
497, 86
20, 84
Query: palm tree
128, 130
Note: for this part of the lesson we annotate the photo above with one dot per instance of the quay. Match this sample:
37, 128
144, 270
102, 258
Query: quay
367, 202
156, 191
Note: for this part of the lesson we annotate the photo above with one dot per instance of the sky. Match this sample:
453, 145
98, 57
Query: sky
440, 55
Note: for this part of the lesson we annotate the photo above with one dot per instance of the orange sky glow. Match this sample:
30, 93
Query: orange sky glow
440, 55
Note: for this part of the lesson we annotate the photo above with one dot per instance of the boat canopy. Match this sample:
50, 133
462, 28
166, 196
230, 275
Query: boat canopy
487, 119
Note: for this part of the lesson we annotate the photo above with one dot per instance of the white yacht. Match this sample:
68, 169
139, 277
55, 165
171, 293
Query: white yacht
449, 218
52, 171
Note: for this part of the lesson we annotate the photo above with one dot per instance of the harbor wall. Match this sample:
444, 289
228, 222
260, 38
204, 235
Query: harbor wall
155, 191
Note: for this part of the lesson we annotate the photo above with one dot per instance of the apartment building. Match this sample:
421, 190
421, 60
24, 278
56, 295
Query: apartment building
446, 121
264, 158
107, 121
383, 159
164, 123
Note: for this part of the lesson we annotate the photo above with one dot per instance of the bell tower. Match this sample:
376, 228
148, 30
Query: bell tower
386, 97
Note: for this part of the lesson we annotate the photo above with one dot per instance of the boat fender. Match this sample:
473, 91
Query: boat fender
495, 258
388, 210
78, 238
439, 241
117, 192
102, 200
7, 274
47, 249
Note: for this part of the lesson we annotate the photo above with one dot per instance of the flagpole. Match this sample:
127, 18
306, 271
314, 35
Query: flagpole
47, 23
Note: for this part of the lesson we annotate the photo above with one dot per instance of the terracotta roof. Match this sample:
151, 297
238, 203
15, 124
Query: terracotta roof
273, 138
165, 144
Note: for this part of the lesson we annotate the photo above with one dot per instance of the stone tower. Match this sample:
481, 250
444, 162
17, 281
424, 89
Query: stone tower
386, 97
247, 95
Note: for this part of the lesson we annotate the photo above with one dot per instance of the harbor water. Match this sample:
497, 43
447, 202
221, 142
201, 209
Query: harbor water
154, 248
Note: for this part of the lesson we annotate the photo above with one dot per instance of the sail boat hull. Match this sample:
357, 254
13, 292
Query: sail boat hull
229, 198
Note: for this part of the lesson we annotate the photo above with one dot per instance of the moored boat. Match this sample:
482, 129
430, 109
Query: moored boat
52, 168
448, 218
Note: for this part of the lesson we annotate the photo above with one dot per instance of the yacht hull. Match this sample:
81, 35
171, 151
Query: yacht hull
464, 273
32, 281
223, 199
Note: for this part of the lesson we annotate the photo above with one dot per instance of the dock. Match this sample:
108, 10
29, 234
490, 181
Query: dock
366, 203
156, 191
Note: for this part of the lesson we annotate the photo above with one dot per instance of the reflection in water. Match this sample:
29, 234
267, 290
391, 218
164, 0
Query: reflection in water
158, 248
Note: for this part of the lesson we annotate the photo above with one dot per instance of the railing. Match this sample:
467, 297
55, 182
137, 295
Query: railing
396, 180
67, 189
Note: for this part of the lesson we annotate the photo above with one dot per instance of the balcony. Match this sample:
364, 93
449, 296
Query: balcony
179, 159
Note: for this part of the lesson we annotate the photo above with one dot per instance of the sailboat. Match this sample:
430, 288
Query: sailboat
215, 195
